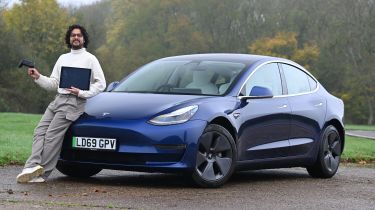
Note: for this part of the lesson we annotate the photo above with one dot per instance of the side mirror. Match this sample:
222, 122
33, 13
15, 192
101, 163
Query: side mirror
112, 86
261, 92
258, 92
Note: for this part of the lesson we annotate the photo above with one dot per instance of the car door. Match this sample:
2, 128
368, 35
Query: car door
265, 122
308, 109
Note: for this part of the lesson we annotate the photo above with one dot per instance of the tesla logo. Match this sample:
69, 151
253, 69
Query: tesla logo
105, 114
236, 115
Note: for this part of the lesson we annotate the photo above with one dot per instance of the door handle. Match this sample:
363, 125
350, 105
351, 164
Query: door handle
283, 106
319, 104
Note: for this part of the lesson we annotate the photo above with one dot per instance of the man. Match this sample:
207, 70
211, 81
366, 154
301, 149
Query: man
67, 106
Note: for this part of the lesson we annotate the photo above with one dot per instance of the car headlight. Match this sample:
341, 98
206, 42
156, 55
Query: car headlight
179, 116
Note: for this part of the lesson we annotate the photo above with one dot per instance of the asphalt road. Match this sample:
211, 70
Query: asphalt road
363, 134
351, 188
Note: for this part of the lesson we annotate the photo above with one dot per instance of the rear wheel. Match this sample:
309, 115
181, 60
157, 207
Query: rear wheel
216, 157
329, 154
79, 171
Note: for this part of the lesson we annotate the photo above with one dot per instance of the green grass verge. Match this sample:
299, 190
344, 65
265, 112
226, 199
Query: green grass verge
360, 127
16, 132
358, 150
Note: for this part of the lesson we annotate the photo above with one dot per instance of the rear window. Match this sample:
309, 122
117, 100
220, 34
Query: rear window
313, 83
297, 81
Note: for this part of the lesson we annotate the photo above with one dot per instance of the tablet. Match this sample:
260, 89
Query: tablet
76, 77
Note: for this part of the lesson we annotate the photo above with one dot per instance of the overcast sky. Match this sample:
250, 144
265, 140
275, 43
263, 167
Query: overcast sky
62, 2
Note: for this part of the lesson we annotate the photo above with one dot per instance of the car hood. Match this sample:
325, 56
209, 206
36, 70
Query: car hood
133, 105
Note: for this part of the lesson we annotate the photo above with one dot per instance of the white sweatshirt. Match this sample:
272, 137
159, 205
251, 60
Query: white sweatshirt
79, 59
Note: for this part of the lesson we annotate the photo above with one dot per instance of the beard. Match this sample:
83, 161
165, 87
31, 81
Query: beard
76, 46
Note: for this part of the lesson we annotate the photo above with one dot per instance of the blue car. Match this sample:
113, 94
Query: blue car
207, 115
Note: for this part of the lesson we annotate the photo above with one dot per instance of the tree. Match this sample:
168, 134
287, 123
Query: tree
9, 53
335, 39
285, 45
351, 45
141, 31
34, 29
40, 26
93, 18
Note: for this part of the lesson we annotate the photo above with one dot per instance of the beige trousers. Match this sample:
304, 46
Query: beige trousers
49, 134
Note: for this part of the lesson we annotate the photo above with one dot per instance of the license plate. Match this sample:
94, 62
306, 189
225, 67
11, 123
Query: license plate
94, 143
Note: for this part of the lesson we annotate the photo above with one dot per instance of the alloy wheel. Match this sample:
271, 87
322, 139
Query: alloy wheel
214, 156
332, 150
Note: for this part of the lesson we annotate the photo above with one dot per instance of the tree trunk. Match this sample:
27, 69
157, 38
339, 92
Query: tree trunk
370, 119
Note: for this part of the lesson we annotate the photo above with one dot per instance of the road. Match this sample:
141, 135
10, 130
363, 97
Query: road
351, 188
363, 134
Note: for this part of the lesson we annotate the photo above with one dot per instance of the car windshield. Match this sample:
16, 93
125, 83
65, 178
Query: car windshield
182, 77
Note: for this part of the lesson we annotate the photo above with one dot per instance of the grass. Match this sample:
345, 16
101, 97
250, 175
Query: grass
360, 127
16, 132
359, 150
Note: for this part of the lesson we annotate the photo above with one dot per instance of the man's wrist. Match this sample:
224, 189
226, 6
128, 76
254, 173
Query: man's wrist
38, 79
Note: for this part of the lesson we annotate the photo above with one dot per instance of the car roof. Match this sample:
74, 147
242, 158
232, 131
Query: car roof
248, 59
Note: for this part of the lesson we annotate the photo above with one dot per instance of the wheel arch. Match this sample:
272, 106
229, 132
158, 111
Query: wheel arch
340, 129
222, 121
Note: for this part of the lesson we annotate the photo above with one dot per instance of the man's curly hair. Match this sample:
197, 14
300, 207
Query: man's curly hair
83, 31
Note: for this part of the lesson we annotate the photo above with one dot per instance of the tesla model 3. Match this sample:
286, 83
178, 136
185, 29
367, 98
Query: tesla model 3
207, 115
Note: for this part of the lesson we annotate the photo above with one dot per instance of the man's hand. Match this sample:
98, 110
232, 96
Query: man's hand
34, 73
73, 90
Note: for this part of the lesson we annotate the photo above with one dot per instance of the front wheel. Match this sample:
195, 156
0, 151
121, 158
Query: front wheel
79, 171
329, 154
215, 158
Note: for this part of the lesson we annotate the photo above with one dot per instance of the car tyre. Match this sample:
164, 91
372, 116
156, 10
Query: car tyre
79, 171
216, 157
328, 160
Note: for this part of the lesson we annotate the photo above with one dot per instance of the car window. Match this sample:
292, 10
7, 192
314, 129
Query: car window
297, 81
150, 77
266, 76
183, 77
312, 83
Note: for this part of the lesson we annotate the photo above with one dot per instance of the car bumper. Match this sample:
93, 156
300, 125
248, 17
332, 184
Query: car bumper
140, 146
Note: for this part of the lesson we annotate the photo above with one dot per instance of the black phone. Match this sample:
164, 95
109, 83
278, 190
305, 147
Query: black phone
25, 62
